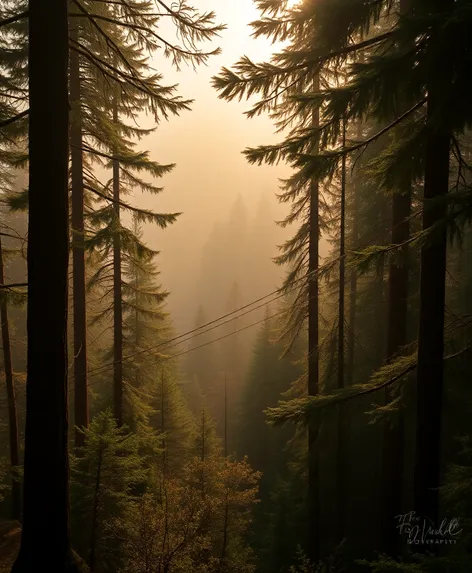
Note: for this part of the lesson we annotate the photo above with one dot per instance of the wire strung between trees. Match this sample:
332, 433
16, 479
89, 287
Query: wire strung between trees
195, 333
277, 292
171, 357
280, 292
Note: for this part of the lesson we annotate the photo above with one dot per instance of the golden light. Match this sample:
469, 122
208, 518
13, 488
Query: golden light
288, 5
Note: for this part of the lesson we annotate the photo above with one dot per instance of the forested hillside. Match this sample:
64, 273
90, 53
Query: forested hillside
315, 413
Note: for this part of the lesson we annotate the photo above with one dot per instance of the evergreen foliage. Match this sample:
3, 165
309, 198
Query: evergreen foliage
379, 66
106, 476
292, 448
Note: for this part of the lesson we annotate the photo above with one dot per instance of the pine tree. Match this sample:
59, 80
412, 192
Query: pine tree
13, 83
207, 443
105, 477
353, 282
145, 326
117, 287
398, 283
332, 43
115, 243
153, 400
81, 408
45, 536
312, 221
13, 140
109, 234
343, 414
173, 422
9, 293
12, 313
303, 250
107, 65
12, 408
430, 369
268, 378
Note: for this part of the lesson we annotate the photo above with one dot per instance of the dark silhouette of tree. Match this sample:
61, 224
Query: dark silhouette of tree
394, 430
430, 369
12, 409
45, 540
81, 408
343, 427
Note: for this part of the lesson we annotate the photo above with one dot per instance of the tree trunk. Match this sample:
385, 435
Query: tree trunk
45, 541
313, 358
96, 502
203, 451
203, 454
430, 375
12, 411
379, 299
394, 433
81, 415
222, 562
341, 468
352, 327
351, 337
163, 426
117, 296
225, 416
393, 447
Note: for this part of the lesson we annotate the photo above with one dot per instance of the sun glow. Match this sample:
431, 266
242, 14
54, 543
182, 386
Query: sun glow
288, 5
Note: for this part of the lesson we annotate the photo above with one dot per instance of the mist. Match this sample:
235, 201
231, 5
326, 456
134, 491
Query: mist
211, 172
235, 284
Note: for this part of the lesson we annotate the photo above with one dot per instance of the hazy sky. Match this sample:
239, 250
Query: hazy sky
206, 145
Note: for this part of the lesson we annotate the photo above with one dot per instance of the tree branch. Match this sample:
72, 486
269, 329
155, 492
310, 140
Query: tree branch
14, 19
16, 117
13, 285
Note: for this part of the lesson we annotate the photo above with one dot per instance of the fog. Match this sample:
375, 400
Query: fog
211, 172
172, 409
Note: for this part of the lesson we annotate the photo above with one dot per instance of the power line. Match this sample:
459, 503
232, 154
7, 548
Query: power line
216, 320
226, 335
213, 322
167, 342
278, 292
166, 358
281, 292
223, 323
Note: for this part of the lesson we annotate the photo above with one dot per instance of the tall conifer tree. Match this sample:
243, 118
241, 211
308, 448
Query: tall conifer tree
45, 536
12, 408
81, 409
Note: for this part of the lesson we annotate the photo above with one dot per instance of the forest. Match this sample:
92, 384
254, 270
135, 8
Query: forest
303, 404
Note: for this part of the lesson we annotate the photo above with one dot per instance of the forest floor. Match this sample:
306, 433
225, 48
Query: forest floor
10, 535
